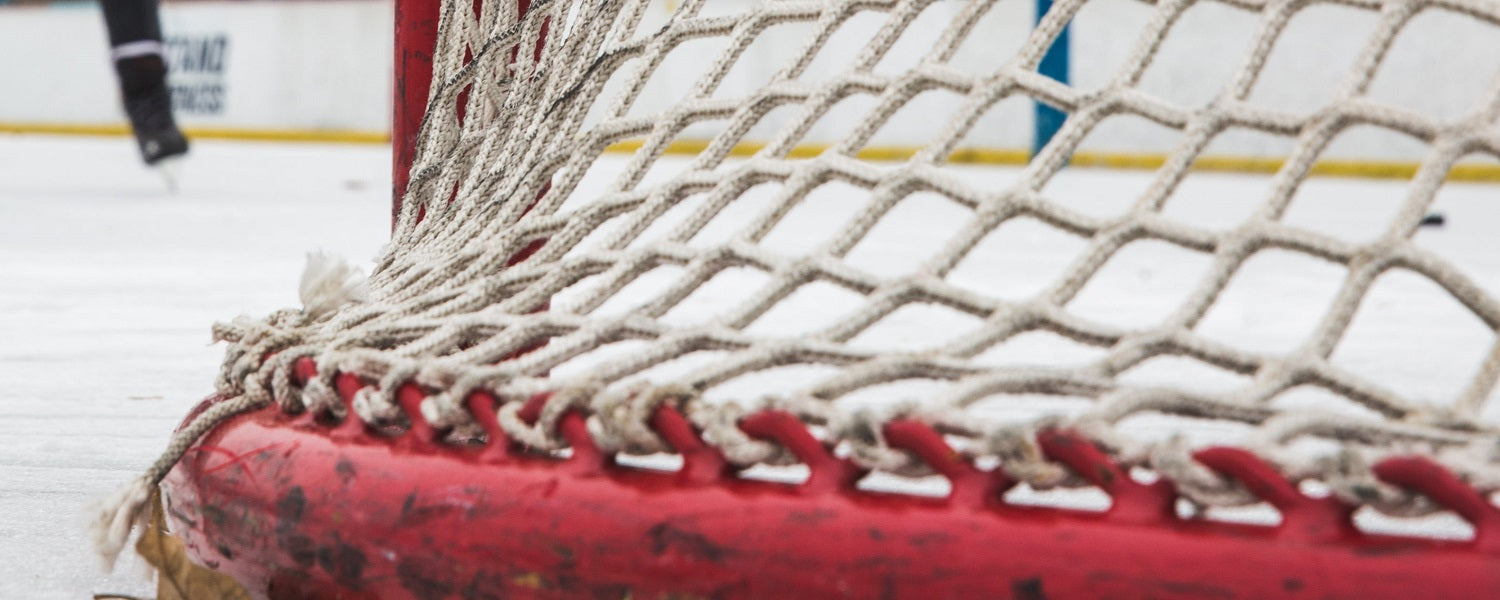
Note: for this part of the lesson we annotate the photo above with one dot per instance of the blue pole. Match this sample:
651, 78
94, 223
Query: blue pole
1055, 65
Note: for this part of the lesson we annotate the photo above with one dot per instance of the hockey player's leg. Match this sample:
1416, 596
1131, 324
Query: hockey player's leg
135, 42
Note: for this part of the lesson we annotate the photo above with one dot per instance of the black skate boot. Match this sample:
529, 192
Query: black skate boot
148, 103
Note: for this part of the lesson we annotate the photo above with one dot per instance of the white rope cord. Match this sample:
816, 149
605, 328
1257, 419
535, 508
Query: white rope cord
445, 309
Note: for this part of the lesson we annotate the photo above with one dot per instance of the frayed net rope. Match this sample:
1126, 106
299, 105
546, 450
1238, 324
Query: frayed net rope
327, 284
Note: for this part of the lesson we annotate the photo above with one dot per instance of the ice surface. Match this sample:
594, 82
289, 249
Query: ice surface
108, 286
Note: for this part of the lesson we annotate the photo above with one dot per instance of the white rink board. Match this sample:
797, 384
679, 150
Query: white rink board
108, 287
1442, 65
268, 55
236, 65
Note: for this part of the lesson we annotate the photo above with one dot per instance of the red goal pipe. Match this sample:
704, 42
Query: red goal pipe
296, 507
416, 36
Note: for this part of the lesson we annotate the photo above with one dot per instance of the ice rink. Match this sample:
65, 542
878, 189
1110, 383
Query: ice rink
109, 284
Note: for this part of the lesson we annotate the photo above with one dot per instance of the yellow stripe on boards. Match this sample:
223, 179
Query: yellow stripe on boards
1471, 172
206, 133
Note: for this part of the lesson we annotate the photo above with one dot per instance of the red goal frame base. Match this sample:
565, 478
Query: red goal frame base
295, 508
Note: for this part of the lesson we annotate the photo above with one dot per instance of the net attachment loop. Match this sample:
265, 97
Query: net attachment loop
969, 486
1132, 501
563, 422
825, 471
1438, 484
1315, 519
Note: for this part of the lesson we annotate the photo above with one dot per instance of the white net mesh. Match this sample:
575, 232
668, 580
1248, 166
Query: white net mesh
767, 270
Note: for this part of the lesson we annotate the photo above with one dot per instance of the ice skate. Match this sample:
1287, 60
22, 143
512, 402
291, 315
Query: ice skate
156, 133
148, 104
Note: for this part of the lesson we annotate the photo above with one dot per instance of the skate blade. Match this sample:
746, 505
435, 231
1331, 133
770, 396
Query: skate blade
170, 169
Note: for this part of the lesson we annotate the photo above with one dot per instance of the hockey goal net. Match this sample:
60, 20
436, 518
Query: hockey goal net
765, 270
618, 205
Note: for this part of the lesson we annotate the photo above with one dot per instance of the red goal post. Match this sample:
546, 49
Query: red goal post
416, 29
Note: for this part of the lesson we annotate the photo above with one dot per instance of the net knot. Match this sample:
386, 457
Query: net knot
1196, 483
720, 426
1351, 479
445, 409
1022, 458
622, 418
251, 343
376, 405
543, 434
284, 389
320, 397
864, 431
